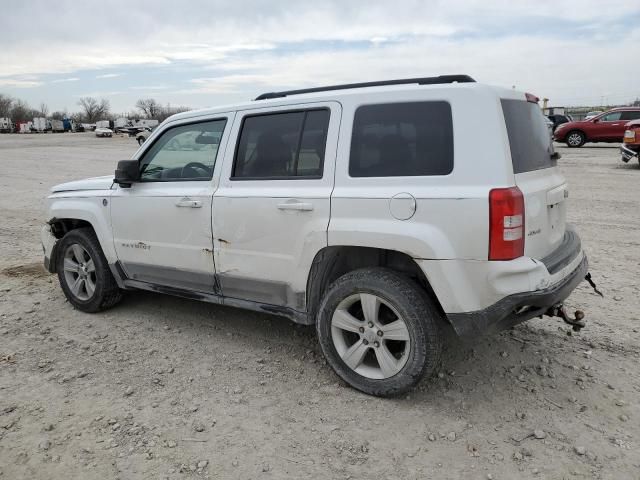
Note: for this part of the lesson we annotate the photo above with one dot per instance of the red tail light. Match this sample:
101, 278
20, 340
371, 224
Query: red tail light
506, 223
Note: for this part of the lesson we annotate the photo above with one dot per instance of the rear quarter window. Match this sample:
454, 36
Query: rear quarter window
529, 137
402, 139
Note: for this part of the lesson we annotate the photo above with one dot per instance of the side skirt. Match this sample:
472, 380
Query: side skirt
287, 312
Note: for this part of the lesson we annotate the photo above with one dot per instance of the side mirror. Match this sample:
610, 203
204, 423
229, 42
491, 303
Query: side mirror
595, 120
127, 172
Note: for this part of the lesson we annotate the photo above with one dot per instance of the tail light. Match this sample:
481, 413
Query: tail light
506, 223
629, 136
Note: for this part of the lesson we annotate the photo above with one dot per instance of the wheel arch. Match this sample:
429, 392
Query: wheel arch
332, 262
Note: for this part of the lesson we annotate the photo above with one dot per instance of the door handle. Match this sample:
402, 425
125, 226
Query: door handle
300, 206
615, 124
187, 202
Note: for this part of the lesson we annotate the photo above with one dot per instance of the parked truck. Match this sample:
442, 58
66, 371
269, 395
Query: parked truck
6, 126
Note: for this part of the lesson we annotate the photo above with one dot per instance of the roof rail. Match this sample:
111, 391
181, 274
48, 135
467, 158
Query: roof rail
383, 83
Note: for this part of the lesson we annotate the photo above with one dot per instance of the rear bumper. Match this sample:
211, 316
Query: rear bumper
518, 307
628, 154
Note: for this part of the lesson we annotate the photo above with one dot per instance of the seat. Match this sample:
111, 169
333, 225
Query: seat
272, 157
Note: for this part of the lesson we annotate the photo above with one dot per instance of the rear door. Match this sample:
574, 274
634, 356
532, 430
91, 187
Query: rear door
271, 211
537, 176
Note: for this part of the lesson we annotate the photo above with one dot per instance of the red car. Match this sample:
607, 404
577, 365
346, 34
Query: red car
606, 127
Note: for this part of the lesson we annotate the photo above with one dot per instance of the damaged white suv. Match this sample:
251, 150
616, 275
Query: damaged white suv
376, 212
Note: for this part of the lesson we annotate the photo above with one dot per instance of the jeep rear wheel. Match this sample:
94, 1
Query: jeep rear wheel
575, 139
84, 273
379, 331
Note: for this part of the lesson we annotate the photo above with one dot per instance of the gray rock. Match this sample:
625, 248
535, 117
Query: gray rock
45, 445
539, 434
129, 391
198, 426
580, 450
203, 463
451, 436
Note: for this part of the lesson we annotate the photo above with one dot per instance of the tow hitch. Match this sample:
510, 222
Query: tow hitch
577, 322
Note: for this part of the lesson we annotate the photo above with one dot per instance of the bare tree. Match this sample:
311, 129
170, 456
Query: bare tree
149, 107
20, 111
44, 109
5, 105
58, 115
92, 109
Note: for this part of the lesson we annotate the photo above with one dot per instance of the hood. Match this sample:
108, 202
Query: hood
95, 183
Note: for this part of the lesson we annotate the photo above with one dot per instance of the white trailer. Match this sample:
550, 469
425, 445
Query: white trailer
57, 126
26, 127
147, 123
41, 124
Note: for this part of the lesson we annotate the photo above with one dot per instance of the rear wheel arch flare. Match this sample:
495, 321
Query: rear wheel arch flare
332, 262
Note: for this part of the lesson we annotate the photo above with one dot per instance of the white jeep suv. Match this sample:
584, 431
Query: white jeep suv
374, 211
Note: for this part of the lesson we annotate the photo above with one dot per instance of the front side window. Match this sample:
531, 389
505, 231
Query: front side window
611, 117
184, 153
402, 139
282, 145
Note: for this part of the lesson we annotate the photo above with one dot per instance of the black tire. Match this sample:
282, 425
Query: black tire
106, 293
416, 309
575, 139
140, 140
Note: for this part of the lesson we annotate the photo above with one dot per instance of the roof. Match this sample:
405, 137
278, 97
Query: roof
337, 92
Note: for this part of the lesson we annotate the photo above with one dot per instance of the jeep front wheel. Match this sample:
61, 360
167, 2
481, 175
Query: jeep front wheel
84, 273
379, 331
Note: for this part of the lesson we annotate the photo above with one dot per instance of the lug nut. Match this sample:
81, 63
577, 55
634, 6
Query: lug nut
376, 344
365, 341
361, 329
370, 324
380, 333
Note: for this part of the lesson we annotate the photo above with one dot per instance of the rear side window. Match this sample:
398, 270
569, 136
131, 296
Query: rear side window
282, 145
630, 115
529, 136
402, 139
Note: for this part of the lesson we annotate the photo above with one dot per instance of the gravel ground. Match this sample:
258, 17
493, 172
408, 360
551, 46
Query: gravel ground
161, 387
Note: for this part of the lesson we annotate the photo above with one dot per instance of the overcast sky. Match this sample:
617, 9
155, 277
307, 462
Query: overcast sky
205, 53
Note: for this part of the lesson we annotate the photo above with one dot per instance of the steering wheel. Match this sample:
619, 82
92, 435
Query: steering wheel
194, 166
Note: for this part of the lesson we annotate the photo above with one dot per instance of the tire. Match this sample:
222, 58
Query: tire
398, 299
140, 141
84, 273
575, 139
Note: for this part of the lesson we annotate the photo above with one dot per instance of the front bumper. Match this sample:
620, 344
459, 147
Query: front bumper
628, 154
49, 243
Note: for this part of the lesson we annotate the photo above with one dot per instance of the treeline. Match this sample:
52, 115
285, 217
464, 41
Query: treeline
90, 110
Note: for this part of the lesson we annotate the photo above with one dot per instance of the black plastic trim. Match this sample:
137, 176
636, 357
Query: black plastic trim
565, 253
383, 83
516, 308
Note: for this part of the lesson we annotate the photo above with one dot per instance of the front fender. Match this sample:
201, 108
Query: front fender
95, 210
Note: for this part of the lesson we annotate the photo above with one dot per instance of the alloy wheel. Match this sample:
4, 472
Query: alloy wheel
79, 272
370, 336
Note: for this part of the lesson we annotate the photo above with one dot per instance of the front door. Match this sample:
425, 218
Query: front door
271, 211
162, 223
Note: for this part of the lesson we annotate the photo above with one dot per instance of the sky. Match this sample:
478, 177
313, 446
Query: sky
202, 53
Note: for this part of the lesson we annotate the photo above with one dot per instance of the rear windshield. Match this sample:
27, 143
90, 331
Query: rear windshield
529, 136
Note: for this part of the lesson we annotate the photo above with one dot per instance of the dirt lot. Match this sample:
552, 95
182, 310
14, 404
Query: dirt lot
161, 387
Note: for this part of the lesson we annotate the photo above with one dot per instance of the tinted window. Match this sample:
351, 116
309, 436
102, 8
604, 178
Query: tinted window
184, 153
402, 139
282, 145
529, 138
630, 115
